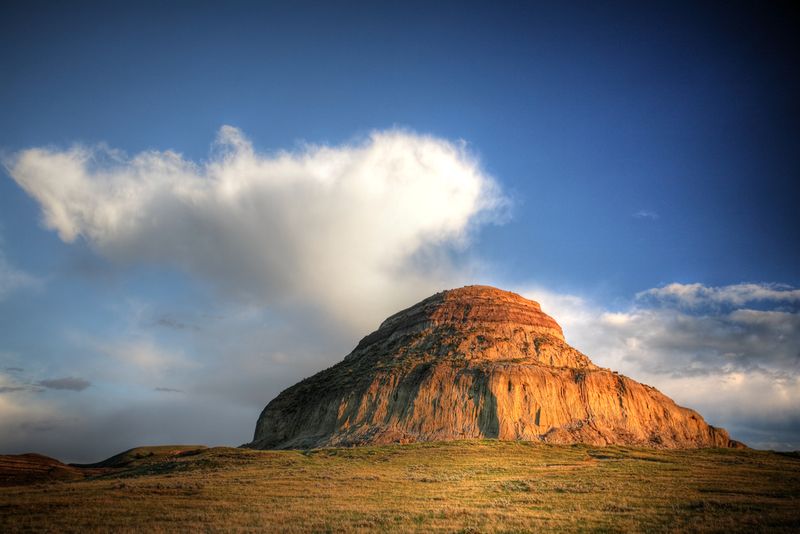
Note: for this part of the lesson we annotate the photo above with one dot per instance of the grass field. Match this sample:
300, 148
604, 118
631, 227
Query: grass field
472, 486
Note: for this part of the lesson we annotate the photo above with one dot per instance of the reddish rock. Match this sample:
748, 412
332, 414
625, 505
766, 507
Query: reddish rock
475, 362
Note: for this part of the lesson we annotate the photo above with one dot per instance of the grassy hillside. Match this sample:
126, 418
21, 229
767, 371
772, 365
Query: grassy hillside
449, 487
142, 455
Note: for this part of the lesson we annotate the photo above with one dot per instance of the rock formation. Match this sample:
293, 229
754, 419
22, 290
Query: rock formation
475, 362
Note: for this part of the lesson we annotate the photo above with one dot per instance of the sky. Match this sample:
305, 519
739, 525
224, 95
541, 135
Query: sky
201, 204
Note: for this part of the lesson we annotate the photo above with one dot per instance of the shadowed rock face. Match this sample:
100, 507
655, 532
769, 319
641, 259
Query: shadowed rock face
475, 362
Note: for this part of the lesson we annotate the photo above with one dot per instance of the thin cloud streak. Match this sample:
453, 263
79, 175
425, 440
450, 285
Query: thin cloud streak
646, 214
68, 383
697, 295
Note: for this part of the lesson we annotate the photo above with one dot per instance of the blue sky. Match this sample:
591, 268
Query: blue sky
633, 167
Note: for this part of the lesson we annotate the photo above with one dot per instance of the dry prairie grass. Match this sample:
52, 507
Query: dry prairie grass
474, 486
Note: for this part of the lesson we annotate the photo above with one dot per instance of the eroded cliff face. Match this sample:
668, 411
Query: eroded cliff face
475, 362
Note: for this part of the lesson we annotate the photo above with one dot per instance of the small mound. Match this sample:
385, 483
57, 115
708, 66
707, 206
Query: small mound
31, 468
138, 455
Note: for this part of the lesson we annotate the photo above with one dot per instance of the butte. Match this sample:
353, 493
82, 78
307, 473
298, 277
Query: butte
475, 363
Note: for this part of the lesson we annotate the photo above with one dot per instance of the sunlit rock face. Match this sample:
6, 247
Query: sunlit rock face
475, 362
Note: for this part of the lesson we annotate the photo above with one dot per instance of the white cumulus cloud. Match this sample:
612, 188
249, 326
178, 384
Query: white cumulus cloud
364, 226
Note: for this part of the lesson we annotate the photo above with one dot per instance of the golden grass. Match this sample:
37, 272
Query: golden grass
472, 486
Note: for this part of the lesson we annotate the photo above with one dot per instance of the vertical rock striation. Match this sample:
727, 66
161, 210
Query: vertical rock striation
475, 362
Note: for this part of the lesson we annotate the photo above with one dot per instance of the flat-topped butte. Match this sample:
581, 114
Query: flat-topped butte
471, 363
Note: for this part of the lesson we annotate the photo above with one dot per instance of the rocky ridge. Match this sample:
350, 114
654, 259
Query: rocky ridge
475, 362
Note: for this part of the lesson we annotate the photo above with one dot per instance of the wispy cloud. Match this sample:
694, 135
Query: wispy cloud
13, 279
646, 214
11, 389
698, 295
11, 382
69, 383
172, 323
168, 390
143, 354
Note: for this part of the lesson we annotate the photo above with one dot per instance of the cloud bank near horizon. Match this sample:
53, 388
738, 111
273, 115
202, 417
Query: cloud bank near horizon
362, 226
736, 365
730, 352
